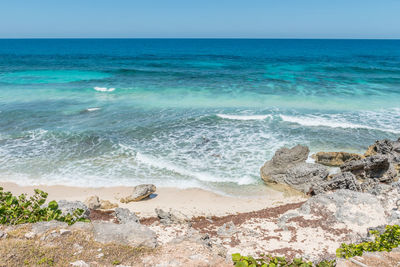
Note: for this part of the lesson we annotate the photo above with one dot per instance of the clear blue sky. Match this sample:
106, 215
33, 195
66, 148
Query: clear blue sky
200, 18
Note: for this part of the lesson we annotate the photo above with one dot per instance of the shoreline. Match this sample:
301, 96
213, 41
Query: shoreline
191, 202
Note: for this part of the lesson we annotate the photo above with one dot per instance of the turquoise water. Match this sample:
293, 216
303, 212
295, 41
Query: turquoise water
187, 113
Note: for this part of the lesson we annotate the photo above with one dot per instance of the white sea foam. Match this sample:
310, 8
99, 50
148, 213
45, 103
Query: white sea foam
103, 89
333, 122
243, 117
92, 109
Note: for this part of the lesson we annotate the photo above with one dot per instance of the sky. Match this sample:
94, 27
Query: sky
200, 19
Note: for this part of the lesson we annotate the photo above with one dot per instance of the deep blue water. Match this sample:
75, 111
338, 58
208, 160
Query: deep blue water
187, 112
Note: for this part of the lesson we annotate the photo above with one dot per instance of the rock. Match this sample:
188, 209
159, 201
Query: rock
68, 207
65, 231
42, 227
304, 176
344, 180
125, 216
384, 147
376, 167
169, 217
79, 263
284, 158
107, 205
30, 235
140, 192
357, 210
93, 202
335, 159
227, 230
132, 234
3, 234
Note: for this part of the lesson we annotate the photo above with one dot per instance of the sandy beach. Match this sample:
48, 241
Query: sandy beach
191, 202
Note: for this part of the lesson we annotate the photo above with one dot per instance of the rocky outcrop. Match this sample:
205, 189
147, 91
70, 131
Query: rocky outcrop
354, 210
384, 147
170, 217
274, 170
132, 234
377, 167
140, 192
344, 180
335, 159
288, 166
304, 176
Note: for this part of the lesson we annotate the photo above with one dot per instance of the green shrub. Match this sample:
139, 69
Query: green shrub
383, 242
17, 210
269, 261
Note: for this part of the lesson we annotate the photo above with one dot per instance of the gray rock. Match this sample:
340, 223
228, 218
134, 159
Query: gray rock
284, 158
227, 230
42, 227
303, 176
167, 217
68, 207
384, 147
132, 234
376, 167
140, 192
93, 202
348, 207
344, 180
3, 234
125, 216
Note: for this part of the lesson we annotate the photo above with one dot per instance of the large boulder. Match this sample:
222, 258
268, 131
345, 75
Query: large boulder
125, 216
140, 192
335, 159
274, 170
132, 234
345, 180
304, 176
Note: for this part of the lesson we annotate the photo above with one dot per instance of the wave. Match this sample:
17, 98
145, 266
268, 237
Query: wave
201, 176
315, 121
103, 89
92, 109
244, 117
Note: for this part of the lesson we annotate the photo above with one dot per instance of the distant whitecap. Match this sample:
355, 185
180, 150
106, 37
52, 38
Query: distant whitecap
103, 89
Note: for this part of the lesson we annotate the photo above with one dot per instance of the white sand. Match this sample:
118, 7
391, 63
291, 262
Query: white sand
191, 202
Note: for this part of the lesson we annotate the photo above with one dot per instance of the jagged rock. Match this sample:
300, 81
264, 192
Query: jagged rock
384, 147
140, 192
284, 158
373, 167
132, 234
68, 207
335, 159
125, 216
227, 230
93, 202
345, 180
170, 217
303, 176
107, 205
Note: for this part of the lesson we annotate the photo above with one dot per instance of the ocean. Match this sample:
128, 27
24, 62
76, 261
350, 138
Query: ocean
185, 113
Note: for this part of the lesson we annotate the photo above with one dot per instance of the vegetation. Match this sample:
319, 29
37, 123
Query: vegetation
21, 209
269, 261
383, 242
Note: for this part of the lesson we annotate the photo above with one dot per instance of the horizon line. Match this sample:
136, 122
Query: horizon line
199, 38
